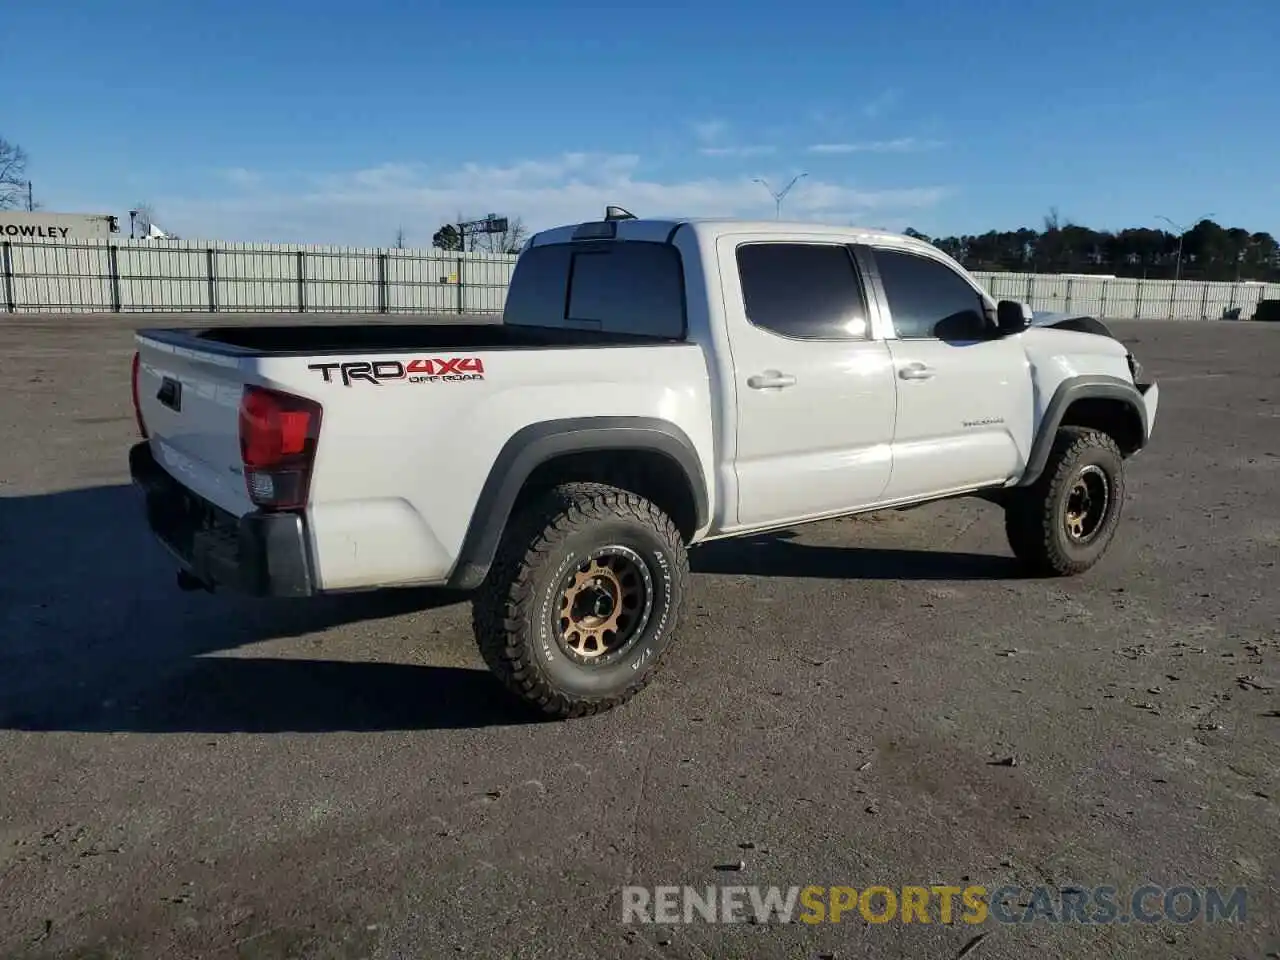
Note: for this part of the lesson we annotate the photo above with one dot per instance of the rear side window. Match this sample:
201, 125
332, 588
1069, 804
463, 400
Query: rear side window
616, 286
809, 291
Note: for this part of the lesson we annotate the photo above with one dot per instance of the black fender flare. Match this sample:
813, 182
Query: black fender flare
531, 446
1089, 386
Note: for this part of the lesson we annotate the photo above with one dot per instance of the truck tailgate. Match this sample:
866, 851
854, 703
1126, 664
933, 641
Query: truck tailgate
190, 406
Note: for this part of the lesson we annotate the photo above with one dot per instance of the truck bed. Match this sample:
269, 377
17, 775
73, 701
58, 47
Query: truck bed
400, 462
357, 338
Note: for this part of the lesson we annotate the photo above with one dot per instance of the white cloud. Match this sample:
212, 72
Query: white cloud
882, 102
708, 131
241, 178
366, 206
747, 151
900, 145
711, 135
824, 117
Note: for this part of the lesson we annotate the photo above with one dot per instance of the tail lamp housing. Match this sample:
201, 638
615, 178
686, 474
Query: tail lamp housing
134, 374
278, 437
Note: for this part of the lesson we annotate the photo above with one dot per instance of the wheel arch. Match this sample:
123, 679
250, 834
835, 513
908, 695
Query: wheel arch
1109, 404
649, 456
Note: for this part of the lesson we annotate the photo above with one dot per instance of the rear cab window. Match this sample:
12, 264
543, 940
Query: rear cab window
615, 286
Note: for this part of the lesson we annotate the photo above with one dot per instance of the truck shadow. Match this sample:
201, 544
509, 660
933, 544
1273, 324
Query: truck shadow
95, 636
779, 555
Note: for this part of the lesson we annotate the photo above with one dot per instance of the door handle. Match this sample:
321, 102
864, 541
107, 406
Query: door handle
915, 371
770, 380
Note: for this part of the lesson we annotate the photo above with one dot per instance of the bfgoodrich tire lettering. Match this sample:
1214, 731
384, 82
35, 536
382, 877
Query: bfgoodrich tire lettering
1039, 519
516, 613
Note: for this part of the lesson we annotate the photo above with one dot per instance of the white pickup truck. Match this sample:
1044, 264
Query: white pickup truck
653, 385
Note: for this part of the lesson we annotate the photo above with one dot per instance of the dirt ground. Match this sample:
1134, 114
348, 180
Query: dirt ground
194, 775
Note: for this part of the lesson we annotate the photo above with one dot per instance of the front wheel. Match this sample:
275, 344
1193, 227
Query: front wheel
582, 600
1063, 523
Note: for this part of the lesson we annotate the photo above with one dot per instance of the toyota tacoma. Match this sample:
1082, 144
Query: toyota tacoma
652, 385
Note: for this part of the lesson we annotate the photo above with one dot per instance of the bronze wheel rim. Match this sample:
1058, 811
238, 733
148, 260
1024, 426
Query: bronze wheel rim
604, 605
1087, 503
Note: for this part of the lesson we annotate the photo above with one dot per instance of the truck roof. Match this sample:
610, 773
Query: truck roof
661, 228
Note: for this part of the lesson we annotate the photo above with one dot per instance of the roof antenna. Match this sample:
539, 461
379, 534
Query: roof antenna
618, 213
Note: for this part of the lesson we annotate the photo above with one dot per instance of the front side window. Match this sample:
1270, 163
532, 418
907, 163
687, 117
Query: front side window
930, 300
807, 291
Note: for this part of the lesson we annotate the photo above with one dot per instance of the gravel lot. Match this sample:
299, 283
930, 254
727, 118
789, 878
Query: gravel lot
183, 774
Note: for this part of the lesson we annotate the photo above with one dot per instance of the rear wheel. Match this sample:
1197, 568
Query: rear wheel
582, 600
1065, 521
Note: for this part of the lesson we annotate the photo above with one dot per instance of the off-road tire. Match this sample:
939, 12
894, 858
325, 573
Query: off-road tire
1034, 517
546, 541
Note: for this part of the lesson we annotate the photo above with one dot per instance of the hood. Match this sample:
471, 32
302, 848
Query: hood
1079, 322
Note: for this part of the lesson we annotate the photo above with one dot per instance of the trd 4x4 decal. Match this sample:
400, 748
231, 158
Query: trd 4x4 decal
422, 370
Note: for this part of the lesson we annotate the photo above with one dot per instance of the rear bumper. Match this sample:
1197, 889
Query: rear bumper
259, 554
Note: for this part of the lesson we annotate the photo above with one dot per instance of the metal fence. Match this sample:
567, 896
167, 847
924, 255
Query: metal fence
172, 276
1125, 298
127, 276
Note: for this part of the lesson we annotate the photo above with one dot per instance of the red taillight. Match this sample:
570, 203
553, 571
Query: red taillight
137, 406
278, 435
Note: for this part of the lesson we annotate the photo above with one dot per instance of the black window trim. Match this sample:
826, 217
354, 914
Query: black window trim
873, 251
860, 281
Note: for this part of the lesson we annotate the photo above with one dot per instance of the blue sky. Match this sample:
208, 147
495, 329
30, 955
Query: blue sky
338, 122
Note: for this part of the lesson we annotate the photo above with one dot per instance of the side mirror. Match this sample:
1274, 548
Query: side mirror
1012, 317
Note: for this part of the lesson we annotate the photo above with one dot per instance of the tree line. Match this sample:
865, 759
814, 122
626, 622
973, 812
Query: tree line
1207, 251
15, 188
508, 241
